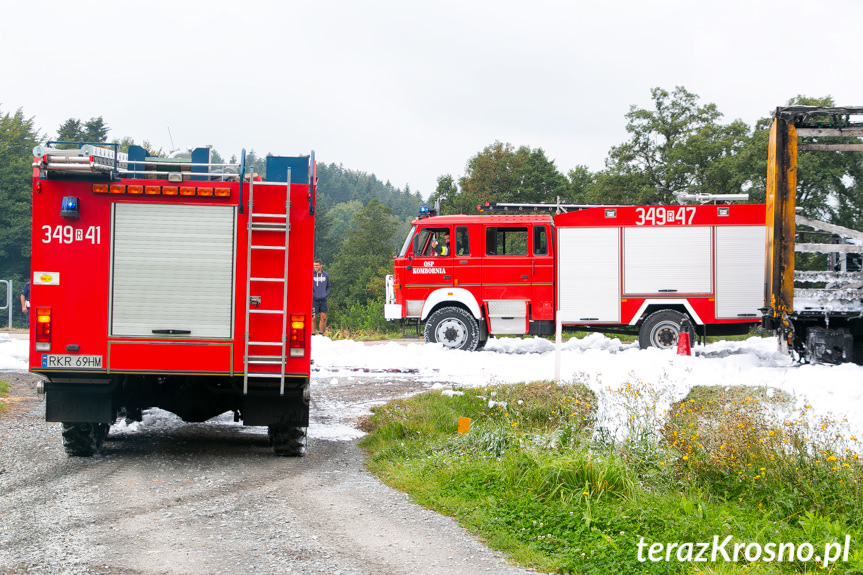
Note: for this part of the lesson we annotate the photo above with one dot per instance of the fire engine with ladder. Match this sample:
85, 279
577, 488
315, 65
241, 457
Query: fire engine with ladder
174, 283
627, 269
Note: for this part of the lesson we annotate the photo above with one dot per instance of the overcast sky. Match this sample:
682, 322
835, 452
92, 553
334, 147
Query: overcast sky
407, 90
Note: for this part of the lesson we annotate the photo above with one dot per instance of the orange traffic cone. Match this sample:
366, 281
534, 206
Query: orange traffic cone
683, 345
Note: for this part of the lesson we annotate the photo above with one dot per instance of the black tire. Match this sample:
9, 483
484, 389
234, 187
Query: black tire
661, 329
287, 441
454, 327
84, 439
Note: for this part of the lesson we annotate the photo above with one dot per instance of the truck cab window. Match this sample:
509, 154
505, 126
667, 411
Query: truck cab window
506, 241
462, 243
540, 241
403, 252
432, 242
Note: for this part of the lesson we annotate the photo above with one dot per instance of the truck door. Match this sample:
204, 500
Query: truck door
506, 277
542, 275
467, 256
431, 265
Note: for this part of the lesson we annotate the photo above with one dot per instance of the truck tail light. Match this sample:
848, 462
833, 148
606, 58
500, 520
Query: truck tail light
43, 329
297, 343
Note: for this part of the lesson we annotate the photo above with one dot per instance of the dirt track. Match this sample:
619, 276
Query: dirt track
200, 499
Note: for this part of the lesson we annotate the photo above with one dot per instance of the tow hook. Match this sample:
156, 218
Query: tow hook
40, 387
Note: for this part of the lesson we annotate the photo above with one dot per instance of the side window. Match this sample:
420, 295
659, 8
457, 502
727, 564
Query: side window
540, 241
506, 241
462, 243
432, 242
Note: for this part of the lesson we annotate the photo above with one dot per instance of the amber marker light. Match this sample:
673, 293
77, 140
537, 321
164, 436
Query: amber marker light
222, 192
100, 188
118, 189
135, 189
169, 190
152, 190
205, 191
187, 191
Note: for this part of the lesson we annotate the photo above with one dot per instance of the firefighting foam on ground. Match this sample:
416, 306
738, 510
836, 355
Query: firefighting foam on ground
350, 377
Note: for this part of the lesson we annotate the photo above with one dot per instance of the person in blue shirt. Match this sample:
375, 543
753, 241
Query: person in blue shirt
320, 292
25, 302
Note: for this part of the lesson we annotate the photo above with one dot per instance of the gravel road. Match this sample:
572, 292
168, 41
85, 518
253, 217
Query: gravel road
203, 499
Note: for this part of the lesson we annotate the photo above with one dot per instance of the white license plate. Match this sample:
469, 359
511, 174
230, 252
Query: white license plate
57, 360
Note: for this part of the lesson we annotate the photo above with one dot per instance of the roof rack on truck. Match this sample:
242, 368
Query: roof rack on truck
105, 160
559, 207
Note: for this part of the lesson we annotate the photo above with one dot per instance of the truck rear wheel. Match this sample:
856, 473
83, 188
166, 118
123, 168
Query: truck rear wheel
661, 329
287, 440
84, 439
454, 327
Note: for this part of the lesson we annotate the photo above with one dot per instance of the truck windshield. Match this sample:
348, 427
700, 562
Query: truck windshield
404, 249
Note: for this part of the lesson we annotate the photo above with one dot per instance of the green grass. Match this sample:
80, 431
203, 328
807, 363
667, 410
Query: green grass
533, 480
4, 391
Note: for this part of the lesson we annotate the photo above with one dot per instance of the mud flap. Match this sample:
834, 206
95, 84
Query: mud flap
267, 410
79, 406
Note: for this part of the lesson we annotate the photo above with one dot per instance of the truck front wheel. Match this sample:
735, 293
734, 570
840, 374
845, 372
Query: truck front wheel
454, 327
661, 329
84, 439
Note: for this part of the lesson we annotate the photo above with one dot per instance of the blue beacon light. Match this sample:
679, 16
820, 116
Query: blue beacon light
69, 207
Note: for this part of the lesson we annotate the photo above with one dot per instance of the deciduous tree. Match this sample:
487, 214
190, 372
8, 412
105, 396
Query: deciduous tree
365, 257
502, 173
17, 139
679, 145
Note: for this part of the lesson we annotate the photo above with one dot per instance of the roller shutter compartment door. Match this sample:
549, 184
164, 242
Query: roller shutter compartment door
739, 271
588, 276
172, 269
667, 260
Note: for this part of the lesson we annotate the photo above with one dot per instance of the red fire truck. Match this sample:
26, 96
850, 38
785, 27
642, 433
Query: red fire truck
639, 269
174, 283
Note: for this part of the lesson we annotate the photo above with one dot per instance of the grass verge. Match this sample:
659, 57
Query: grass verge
532, 478
4, 392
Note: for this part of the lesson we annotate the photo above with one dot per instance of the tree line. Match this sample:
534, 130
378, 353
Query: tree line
679, 144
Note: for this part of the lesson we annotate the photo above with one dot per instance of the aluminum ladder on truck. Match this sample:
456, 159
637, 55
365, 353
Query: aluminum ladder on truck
261, 226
